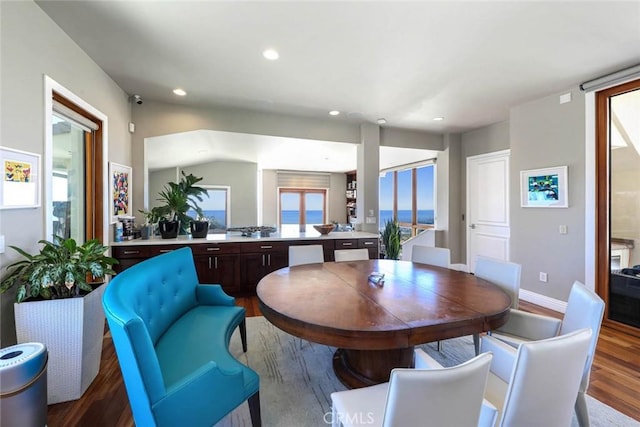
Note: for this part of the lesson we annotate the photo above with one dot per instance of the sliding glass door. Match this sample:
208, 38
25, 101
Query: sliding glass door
618, 209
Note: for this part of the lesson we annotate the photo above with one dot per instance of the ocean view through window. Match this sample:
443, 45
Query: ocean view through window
301, 209
408, 196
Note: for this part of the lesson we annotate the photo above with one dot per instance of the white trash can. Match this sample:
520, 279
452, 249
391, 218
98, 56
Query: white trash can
23, 385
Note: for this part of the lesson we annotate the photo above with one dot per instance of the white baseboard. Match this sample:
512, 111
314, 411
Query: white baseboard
543, 300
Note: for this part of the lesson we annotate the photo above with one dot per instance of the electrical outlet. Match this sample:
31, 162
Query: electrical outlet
543, 277
563, 229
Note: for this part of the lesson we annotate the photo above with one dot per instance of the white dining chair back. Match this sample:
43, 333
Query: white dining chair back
503, 274
342, 255
416, 397
537, 386
439, 257
585, 309
305, 254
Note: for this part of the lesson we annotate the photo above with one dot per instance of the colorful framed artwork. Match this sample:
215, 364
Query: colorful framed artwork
544, 188
121, 188
20, 187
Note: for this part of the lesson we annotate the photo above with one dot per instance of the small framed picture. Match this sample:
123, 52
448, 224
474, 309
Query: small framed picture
544, 188
20, 186
120, 184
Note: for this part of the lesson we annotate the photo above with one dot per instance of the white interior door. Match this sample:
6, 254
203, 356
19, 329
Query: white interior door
488, 228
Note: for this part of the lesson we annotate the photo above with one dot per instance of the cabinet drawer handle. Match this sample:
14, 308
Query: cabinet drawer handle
347, 244
213, 249
162, 251
368, 243
266, 247
131, 252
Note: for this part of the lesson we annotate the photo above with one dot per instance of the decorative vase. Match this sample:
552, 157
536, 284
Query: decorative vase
169, 229
199, 229
72, 330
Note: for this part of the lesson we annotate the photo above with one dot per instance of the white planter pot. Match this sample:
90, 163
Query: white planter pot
72, 330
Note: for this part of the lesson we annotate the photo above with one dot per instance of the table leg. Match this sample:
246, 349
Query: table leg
361, 368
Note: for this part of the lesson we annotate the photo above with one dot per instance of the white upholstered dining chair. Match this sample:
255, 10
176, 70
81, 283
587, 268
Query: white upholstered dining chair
417, 397
505, 275
342, 255
305, 254
439, 257
585, 309
536, 385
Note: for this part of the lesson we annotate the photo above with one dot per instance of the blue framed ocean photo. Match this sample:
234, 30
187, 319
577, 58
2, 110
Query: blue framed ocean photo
544, 188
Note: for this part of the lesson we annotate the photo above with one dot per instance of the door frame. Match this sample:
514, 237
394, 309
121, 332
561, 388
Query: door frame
602, 231
500, 153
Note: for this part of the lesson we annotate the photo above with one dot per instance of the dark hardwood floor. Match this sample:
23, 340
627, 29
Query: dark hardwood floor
615, 379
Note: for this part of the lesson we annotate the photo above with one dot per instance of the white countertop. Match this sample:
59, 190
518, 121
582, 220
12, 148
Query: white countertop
236, 237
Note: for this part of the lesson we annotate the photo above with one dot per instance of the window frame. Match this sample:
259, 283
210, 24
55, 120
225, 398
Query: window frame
96, 179
415, 227
302, 192
227, 190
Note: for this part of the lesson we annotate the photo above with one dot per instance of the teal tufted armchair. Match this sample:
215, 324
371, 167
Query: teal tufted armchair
171, 336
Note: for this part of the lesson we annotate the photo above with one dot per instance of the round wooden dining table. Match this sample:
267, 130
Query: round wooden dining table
373, 327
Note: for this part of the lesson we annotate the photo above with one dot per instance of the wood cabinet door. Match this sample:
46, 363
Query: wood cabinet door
219, 270
252, 269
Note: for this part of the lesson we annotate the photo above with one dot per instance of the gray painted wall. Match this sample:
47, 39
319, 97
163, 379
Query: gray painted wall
450, 185
545, 133
157, 180
242, 177
32, 46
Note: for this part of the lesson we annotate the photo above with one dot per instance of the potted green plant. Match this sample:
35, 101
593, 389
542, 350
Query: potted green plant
178, 198
147, 229
391, 239
59, 305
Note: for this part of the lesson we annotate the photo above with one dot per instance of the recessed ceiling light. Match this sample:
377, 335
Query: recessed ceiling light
382, 121
271, 54
438, 119
334, 112
179, 92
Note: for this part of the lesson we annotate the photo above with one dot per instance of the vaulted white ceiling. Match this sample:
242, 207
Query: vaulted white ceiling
407, 62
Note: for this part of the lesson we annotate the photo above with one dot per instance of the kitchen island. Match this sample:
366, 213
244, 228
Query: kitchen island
239, 262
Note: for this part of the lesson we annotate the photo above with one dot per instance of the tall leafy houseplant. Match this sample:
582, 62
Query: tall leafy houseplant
178, 198
391, 239
55, 305
59, 270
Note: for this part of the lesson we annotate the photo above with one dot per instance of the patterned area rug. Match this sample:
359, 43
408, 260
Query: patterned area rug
297, 379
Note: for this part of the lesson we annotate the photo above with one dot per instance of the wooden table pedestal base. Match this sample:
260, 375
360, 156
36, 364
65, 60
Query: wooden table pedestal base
362, 368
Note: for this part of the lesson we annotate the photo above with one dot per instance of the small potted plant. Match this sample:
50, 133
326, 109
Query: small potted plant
178, 199
200, 225
391, 239
147, 230
58, 303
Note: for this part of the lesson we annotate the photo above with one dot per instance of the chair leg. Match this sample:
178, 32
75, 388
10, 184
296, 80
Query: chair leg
582, 413
254, 410
243, 334
476, 343
439, 346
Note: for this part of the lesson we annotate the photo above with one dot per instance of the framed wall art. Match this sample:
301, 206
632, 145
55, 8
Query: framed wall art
544, 188
20, 186
121, 188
